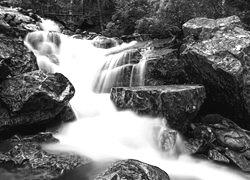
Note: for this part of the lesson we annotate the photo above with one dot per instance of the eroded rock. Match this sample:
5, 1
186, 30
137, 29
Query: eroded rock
179, 104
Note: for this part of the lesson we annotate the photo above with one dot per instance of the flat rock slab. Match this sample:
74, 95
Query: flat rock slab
33, 98
178, 104
217, 55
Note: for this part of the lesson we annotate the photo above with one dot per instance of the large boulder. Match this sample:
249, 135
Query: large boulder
179, 104
33, 98
15, 58
221, 140
216, 54
122, 169
24, 159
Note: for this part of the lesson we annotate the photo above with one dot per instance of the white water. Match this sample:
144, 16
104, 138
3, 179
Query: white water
101, 132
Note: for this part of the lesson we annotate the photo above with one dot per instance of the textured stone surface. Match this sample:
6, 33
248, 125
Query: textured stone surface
163, 67
25, 159
178, 104
223, 141
33, 98
16, 22
113, 170
217, 55
132, 169
15, 58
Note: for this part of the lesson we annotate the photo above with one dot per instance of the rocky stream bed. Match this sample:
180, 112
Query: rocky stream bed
201, 89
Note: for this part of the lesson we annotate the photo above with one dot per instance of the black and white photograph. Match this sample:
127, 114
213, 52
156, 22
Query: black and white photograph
124, 90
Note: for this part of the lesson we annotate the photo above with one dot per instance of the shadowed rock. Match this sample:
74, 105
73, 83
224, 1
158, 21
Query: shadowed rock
33, 98
223, 141
178, 104
15, 58
217, 56
163, 67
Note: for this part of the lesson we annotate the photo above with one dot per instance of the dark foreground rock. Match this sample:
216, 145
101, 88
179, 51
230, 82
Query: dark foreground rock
15, 58
178, 104
217, 56
122, 169
24, 159
32, 98
221, 140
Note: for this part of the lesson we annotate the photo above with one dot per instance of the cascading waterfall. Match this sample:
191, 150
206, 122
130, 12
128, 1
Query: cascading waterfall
101, 132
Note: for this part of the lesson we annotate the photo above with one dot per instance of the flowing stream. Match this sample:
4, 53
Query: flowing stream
100, 131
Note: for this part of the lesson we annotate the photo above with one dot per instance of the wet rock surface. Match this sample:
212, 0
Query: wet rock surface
122, 169
178, 104
24, 159
217, 56
15, 58
33, 98
221, 140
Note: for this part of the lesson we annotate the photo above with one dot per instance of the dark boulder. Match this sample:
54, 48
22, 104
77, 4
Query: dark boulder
24, 159
217, 55
222, 141
15, 58
110, 170
179, 104
33, 98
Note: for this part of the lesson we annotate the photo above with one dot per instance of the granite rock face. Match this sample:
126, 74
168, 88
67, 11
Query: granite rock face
221, 140
24, 159
15, 58
178, 104
33, 98
216, 54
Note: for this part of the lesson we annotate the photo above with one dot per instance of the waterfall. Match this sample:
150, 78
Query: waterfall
101, 131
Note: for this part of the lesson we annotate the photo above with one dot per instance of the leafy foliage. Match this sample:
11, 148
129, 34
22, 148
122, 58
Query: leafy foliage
165, 17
